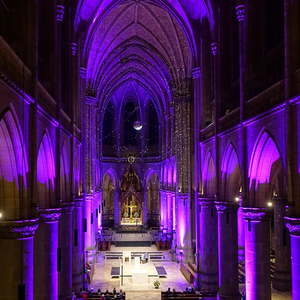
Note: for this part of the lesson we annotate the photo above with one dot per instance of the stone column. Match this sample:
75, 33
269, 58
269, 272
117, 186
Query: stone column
17, 259
83, 117
162, 209
88, 238
46, 247
170, 213
183, 229
227, 251
78, 261
257, 254
116, 207
197, 225
66, 240
145, 207
282, 278
208, 250
241, 234
97, 200
293, 225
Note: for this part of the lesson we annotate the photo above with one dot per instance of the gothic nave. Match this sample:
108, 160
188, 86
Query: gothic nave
150, 142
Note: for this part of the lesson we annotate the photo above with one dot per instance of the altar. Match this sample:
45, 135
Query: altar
131, 199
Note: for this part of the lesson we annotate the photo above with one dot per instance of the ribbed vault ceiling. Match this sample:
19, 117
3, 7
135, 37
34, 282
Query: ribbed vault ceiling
135, 41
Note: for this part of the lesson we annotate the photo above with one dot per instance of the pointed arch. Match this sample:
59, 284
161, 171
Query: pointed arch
265, 171
153, 198
108, 185
77, 188
13, 166
209, 176
45, 172
231, 174
111, 173
65, 171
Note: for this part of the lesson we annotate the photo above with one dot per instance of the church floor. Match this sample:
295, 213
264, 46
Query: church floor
102, 278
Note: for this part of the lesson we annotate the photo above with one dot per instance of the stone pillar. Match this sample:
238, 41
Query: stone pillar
282, 278
257, 254
83, 117
145, 207
208, 250
197, 225
241, 234
90, 139
88, 238
183, 229
97, 201
17, 259
170, 213
46, 247
163, 209
66, 240
78, 261
117, 207
227, 251
293, 224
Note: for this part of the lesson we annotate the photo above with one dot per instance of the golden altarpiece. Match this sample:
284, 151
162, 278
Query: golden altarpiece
131, 199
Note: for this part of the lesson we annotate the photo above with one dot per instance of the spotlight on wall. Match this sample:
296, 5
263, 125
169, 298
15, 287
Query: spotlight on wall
137, 125
270, 204
237, 199
1, 215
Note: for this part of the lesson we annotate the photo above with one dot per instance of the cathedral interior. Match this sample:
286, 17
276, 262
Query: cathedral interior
144, 136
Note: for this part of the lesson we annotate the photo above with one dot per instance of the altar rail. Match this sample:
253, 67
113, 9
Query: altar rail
153, 255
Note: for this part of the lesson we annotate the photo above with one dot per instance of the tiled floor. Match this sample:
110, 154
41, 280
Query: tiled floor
102, 278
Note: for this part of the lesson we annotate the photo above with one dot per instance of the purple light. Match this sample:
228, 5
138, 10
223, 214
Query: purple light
13, 159
264, 156
45, 163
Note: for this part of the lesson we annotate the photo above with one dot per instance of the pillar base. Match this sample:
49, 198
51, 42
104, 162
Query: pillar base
229, 297
282, 281
241, 254
77, 282
209, 283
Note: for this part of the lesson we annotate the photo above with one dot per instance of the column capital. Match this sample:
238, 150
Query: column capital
68, 206
206, 202
19, 229
183, 195
240, 11
91, 100
293, 225
78, 203
214, 47
255, 214
49, 215
225, 206
89, 197
182, 91
83, 71
60, 11
196, 72
73, 47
